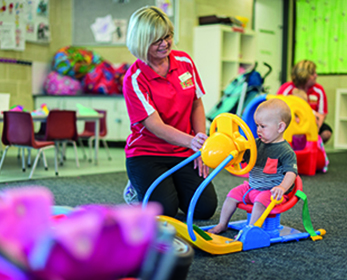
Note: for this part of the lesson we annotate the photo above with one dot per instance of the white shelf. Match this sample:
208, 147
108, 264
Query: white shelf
218, 53
340, 133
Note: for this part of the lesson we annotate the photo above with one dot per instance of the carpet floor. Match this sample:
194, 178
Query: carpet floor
324, 259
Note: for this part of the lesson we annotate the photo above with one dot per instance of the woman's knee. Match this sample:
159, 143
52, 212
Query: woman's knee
170, 210
205, 213
168, 200
206, 208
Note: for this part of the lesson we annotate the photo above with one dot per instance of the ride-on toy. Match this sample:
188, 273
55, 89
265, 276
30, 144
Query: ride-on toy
229, 138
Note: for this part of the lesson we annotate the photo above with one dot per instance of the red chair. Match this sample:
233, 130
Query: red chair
272, 223
89, 134
62, 129
292, 200
18, 131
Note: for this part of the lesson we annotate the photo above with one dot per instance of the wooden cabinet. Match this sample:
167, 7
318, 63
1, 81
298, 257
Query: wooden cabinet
219, 53
340, 133
118, 123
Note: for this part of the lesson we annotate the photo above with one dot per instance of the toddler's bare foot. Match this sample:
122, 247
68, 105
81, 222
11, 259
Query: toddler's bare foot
218, 229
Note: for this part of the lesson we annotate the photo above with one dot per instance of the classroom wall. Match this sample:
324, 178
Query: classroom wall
16, 79
191, 10
329, 82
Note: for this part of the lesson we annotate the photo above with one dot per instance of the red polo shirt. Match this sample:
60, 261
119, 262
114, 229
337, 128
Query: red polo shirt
172, 97
316, 96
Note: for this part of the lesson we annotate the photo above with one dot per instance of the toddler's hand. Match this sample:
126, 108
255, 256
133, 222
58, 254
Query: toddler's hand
277, 192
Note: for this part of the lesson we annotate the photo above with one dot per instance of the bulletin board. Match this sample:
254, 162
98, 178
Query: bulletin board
21, 21
90, 16
37, 21
12, 25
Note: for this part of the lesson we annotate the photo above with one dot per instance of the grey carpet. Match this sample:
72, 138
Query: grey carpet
325, 259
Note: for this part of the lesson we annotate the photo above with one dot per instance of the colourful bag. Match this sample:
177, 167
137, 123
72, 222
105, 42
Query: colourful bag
104, 79
57, 84
120, 73
75, 62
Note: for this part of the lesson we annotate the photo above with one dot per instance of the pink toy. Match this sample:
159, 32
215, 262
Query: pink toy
57, 84
17, 108
91, 242
24, 220
10, 271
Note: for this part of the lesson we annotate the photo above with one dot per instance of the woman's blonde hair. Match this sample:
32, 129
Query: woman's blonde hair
302, 71
146, 26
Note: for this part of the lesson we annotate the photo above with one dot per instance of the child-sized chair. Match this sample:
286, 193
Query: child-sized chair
18, 131
89, 134
61, 128
271, 224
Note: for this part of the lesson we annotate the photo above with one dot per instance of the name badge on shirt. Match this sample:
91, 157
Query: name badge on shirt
184, 77
186, 80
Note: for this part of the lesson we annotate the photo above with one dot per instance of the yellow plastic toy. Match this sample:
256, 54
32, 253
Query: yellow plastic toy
225, 139
307, 121
225, 149
206, 241
267, 211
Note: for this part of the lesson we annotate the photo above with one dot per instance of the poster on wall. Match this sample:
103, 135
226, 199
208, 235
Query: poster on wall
104, 22
166, 6
37, 21
109, 30
12, 25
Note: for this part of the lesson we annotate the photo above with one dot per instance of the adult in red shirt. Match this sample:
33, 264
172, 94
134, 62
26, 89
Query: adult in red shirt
162, 90
304, 79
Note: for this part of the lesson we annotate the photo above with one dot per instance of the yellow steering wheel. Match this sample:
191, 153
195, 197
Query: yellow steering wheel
225, 139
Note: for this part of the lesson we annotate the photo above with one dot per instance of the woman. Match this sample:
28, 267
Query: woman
162, 90
304, 78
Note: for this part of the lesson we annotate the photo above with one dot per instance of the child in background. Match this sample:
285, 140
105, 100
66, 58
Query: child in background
300, 93
275, 170
299, 140
304, 77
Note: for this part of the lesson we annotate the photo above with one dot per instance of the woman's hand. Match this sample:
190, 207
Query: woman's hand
203, 169
319, 118
197, 142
